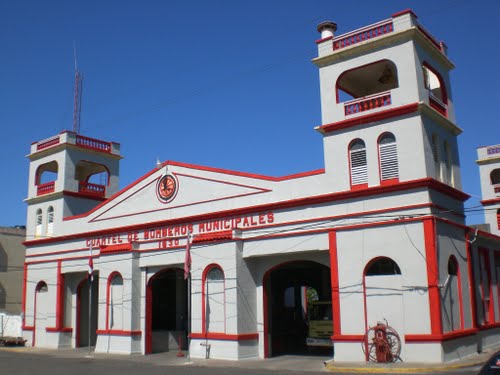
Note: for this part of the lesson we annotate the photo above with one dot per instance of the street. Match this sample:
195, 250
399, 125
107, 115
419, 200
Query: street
24, 361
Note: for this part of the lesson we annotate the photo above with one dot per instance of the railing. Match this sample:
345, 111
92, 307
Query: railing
46, 143
496, 188
365, 33
429, 36
92, 189
46, 188
437, 104
493, 150
367, 103
93, 144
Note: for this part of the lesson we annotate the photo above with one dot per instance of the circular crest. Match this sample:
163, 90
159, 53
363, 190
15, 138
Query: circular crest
166, 189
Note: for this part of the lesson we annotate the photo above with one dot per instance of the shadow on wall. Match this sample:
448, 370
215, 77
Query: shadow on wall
3, 297
4, 259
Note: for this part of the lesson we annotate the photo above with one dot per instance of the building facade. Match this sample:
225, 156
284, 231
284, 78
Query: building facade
379, 232
11, 266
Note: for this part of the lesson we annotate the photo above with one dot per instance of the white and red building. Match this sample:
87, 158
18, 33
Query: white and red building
380, 231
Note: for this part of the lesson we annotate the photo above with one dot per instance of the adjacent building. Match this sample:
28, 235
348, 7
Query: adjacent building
379, 232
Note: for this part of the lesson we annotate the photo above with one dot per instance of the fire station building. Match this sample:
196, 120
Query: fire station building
378, 234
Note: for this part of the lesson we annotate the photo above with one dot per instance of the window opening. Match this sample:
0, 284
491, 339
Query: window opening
388, 155
359, 168
38, 224
50, 221
383, 266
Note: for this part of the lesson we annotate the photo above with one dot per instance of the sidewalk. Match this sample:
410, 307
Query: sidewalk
286, 362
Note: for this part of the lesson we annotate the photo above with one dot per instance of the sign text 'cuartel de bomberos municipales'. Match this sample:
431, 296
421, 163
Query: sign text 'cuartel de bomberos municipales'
170, 235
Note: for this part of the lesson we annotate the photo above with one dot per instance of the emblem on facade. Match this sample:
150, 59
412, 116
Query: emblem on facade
166, 189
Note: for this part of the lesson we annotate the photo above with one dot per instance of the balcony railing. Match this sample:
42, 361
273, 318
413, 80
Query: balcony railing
46, 188
367, 103
365, 33
429, 36
93, 144
92, 189
46, 143
492, 150
496, 188
437, 104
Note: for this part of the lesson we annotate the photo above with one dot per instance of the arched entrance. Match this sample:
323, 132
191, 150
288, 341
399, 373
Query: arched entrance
82, 312
296, 293
40, 314
166, 311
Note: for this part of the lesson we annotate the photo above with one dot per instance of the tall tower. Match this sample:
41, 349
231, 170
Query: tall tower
387, 110
69, 175
489, 174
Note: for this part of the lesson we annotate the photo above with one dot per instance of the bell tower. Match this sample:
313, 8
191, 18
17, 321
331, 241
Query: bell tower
386, 104
489, 174
69, 174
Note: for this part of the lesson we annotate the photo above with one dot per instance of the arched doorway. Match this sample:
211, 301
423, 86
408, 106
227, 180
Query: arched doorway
40, 314
383, 295
83, 319
166, 311
292, 291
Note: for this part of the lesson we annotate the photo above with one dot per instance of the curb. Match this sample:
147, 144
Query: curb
401, 370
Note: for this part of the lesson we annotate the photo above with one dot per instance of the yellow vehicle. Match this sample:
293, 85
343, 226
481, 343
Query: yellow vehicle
319, 320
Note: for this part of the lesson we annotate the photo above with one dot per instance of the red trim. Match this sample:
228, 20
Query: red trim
440, 338
207, 269
324, 39
433, 276
83, 195
470, 274
118, 332
225, 336
334, 275
338, 196
488, 202
489, 313
59, 297
397, 14
119, 248
373, 117
348, 338
28, 328
213, 236
108, 287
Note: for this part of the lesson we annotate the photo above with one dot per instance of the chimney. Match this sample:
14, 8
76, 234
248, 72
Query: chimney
327, 29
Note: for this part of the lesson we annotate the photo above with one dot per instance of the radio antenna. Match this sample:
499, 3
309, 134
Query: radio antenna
77, 104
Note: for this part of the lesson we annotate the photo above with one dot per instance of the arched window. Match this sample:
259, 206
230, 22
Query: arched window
115, 301
495, 180
383, 266
435, 156
452, 298
388, 157
448, 172
38, 223
215, 300
434, 84
358, 163
50, 221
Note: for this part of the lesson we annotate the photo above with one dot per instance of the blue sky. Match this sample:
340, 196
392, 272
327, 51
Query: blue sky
226, 84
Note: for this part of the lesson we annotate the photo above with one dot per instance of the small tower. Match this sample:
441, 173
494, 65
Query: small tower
489, 174
69, 175
387, 110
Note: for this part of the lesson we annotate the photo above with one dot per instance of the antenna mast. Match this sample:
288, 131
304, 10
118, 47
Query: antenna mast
77, 105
